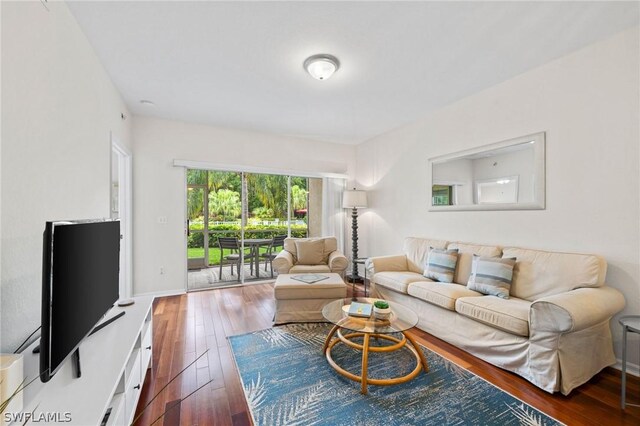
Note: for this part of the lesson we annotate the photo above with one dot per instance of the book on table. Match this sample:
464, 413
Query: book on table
309, 278
362, 310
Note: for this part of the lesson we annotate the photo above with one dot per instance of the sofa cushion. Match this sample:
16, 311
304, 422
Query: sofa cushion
310, 252
510, 315
465, 258
441, 264
398, 281
440, 294
492, 276
540, 273
309, 269
417, 250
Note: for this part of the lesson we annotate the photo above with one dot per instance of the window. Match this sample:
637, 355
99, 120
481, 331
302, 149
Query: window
442, 195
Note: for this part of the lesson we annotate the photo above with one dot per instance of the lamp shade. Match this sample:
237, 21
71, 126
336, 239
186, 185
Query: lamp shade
354, 199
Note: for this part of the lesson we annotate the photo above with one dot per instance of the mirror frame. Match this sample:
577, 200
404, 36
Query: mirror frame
539, 180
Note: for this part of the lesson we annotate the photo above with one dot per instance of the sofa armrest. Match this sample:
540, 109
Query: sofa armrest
283, 262
368, 265
388, 263
575, 310
338, 262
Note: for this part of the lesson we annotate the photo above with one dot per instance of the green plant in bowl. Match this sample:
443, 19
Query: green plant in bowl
381, 304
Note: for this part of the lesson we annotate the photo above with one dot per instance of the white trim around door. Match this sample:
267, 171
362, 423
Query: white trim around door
124, 210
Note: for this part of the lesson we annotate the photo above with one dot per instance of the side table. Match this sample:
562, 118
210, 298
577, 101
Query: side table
629, 323
362, 261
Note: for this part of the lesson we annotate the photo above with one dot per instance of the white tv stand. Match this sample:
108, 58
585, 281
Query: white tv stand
114, 363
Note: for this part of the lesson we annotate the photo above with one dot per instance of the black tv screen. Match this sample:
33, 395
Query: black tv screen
81, 263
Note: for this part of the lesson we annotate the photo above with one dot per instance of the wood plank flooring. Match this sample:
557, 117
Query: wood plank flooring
190, 325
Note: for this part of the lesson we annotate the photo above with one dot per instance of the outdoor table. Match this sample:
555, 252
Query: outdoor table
255, 244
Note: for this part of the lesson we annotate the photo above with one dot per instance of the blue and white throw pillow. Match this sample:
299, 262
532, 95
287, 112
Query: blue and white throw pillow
492, 275
441, 265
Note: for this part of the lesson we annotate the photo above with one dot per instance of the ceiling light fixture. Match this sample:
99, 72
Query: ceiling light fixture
147, 102
322, 66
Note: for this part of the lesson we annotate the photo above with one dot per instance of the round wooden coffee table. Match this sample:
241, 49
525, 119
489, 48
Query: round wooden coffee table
401, 319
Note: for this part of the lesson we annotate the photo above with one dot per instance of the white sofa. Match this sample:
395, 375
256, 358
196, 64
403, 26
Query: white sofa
553, 330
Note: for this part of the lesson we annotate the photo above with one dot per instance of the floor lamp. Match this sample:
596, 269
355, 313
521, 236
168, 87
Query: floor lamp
354, 200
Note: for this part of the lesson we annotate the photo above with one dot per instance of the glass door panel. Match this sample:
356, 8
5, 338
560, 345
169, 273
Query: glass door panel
299, 196
196, 232
267, 216
224, 227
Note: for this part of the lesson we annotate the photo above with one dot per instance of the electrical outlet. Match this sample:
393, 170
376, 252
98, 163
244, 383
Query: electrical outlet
162, 219
162, 270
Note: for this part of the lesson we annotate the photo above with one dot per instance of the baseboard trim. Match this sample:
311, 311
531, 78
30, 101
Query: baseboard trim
633, 369
161, 293
179, 292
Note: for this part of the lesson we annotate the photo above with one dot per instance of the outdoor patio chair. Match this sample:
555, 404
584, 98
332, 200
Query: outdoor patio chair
271, 253
233, 257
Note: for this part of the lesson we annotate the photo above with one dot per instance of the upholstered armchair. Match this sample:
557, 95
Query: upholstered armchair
310, 255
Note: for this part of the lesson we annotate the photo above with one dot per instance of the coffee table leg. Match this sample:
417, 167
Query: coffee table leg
328, 339
365, 362
423, 360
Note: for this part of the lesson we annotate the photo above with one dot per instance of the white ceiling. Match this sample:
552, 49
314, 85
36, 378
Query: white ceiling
239, 64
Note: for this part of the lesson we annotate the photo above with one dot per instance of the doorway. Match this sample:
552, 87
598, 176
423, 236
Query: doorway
233, 217
120, 208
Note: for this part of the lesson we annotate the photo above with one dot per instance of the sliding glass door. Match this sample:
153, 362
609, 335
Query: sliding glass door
233, 218
196, 217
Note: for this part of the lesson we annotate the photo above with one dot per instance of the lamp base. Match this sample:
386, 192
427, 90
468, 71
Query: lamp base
355, 279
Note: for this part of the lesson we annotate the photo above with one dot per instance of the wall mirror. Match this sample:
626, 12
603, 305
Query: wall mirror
508, 175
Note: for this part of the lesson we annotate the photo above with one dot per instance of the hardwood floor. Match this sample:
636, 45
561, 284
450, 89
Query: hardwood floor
187, 326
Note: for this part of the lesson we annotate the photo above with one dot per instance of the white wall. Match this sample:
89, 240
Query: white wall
588, 104
58, 109
159, 188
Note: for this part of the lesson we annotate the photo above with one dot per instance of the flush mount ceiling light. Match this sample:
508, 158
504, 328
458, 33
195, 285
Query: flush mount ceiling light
147, 102
322, 66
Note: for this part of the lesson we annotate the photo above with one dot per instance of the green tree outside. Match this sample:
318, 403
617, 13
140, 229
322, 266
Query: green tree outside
225, 203
266, 200
298, 198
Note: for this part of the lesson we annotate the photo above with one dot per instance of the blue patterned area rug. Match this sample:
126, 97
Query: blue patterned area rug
287, 381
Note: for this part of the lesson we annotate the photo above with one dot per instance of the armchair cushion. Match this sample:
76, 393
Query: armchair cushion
310, 255
330, 245
310, 252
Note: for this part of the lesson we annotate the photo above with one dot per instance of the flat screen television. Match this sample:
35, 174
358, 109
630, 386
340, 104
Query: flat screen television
80, 271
